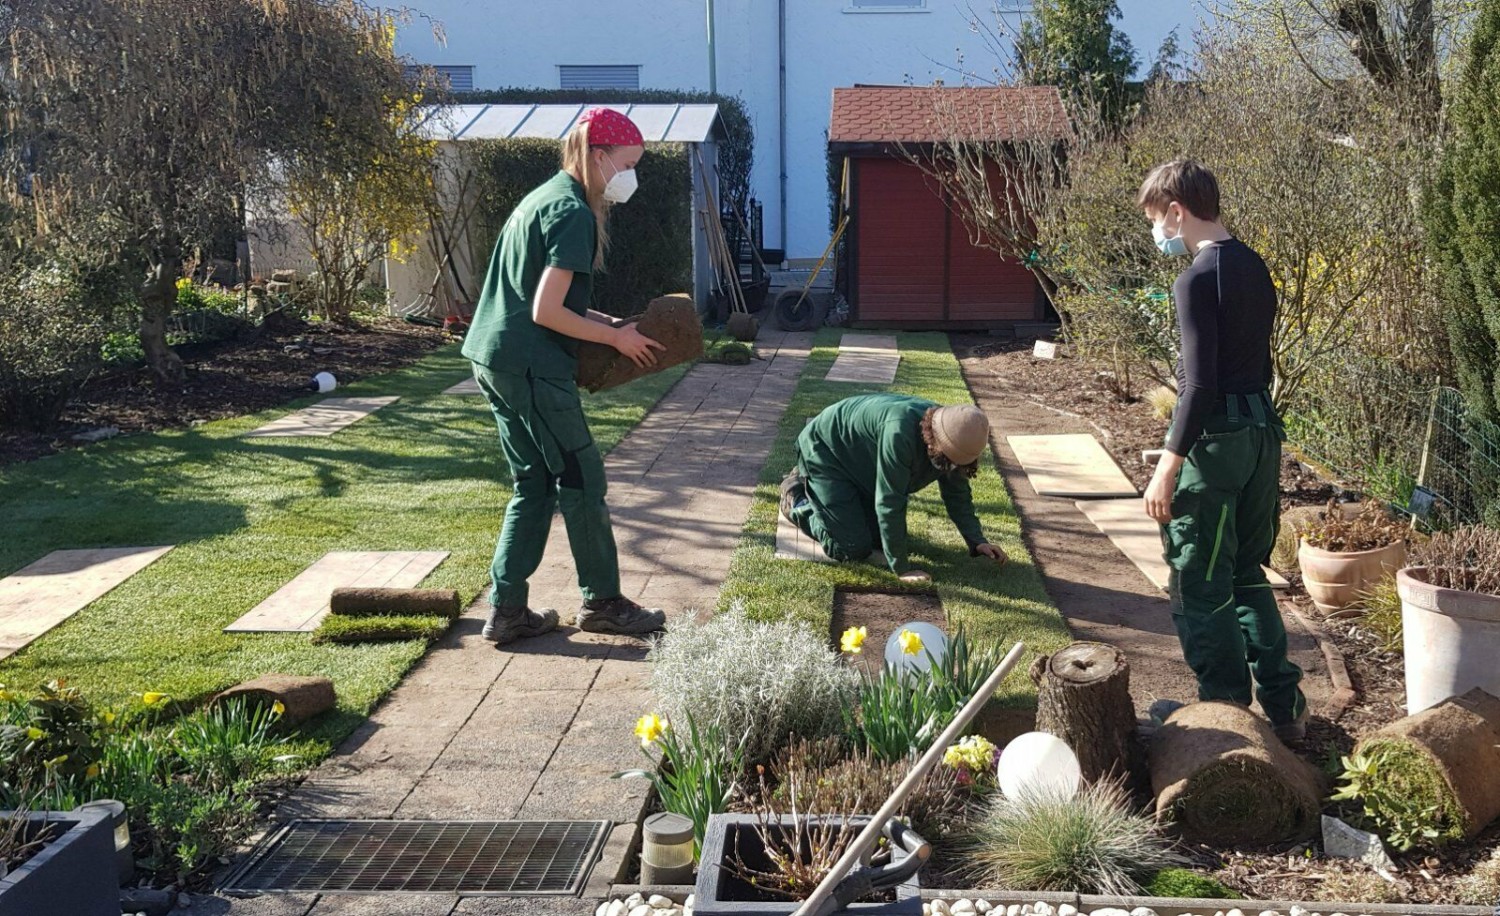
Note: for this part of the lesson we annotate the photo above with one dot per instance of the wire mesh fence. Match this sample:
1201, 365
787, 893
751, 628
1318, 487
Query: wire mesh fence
1397, 437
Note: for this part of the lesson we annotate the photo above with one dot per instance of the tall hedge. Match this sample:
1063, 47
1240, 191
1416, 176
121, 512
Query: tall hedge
736, 151
1463, 219
651, 237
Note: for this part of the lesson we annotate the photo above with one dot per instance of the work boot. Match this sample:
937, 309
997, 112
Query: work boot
793, 491
620, 616
1295, 731
507, 624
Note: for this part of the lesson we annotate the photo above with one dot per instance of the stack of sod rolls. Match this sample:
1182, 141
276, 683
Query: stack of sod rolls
387, 614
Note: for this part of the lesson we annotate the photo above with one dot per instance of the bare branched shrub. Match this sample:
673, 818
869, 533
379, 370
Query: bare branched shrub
1467, 559
1371, 528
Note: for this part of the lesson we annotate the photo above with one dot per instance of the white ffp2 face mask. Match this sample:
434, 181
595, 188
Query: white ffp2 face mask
621, 185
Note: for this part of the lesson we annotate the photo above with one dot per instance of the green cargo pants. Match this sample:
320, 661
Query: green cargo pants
1225, 512
553, 462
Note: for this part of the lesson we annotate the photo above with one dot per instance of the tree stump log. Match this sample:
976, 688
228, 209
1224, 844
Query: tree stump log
1083, 697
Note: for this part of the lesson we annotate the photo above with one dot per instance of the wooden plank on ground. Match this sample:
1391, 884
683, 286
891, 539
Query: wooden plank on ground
871, 367
300, 605
882, 342
467, 386
59, 585
792, 544
1125, 523
1073, 465
324, 418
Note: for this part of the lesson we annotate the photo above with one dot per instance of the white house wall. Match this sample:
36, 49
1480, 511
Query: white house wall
513, 43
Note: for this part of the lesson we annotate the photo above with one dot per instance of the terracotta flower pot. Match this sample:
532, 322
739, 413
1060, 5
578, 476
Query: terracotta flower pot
1334, 579
1450, 638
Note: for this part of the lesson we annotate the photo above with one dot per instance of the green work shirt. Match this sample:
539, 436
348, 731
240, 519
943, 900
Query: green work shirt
551, 227
874, 441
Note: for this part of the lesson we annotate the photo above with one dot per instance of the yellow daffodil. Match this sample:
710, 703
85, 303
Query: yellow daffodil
5, 694
57, 761
92, 772
649, 728
279, 708
153, 698
910, 642
853, 639
109, 717
34, 733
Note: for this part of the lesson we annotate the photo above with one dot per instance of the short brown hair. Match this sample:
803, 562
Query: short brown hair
1185, 181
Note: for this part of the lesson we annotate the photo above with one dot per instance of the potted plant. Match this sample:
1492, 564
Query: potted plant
1341, 555
1450, 616
58, 864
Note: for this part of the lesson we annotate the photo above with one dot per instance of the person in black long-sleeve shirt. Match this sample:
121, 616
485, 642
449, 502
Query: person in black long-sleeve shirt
1216, 491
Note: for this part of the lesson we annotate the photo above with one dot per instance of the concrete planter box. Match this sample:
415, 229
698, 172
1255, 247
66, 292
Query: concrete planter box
720, 892
73, 875
1450, 639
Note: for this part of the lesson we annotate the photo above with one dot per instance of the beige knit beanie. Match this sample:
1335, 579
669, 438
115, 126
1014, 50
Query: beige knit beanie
961, 433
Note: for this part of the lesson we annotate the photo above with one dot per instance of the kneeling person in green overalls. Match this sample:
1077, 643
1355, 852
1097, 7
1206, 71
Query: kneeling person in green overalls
1216, 491
860, 461
523, 342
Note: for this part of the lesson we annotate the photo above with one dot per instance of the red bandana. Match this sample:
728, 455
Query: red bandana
608, 127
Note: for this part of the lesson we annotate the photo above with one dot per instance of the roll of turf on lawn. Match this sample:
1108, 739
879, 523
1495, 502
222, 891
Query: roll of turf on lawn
365, 602
1221, 776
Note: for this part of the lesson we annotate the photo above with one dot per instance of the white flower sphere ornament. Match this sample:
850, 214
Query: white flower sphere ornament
1038, 763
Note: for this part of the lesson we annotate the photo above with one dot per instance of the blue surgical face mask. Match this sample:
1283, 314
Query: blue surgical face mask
1174, 246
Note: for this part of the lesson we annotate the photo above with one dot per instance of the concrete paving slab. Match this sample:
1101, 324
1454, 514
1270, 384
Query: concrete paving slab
389, 905
324, 418
1074, 465
378, 745
301, 604
42, 595
1125, 523
264, 905
492, 792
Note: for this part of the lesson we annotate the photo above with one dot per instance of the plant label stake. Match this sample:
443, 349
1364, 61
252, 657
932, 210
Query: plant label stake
821, 901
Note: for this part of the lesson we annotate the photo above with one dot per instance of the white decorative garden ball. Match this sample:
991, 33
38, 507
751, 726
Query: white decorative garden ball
1037, 763
325, 382
934, 644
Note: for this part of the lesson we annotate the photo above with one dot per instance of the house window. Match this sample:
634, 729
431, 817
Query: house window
885, 6
456, 78
599, 76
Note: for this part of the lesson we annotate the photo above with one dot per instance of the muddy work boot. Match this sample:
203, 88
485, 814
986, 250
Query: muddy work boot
1293, 732
620, 616
507, 624
793, 491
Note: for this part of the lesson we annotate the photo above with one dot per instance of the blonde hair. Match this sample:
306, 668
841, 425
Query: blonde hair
575, 161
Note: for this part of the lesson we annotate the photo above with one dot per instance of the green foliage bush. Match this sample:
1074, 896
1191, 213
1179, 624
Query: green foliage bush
1402, 796
1181, 882
651, 242
760, 683
339, 628
699, 771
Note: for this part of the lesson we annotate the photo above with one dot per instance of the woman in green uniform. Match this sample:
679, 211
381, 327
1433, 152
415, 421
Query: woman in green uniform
523, 342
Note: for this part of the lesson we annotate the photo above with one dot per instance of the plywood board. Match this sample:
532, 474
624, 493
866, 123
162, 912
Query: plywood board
467, 386
1125, 523
300, 605
792, 544
872, 367
324, 418
59, 585
867, 342
1070, 465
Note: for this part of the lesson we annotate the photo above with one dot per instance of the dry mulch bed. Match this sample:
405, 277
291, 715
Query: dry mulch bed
1126, 427
229, 379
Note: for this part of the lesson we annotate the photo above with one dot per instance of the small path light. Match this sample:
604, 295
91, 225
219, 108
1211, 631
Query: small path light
124, 860
1038, 763
914, 647
667, 850
322, 383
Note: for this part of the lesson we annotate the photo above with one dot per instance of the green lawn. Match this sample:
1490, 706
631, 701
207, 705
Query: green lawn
247, 515
999, 605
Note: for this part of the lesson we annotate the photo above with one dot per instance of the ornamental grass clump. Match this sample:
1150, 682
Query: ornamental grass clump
760, 681
1372, 528
1466, 559
1089, 843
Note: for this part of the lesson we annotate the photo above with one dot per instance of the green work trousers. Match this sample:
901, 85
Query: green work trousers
553, 463
1225, 511
839, 517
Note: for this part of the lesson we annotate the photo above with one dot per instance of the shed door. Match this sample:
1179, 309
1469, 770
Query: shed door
901, 223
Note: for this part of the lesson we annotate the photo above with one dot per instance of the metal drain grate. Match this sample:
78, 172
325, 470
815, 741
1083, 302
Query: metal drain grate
495, 858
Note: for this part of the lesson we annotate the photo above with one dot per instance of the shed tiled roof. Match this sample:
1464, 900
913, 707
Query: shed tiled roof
925, 114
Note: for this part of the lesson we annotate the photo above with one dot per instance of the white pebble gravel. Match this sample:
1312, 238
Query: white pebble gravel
1067, 909
962, 908
1142, 911
1013, 910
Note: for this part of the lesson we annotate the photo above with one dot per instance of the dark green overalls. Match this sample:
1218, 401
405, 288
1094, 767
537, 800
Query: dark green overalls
527, 373
1225, 512
862, 459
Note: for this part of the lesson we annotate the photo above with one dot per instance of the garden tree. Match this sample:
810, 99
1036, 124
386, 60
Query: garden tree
164, 114
1463, 213
1073, 44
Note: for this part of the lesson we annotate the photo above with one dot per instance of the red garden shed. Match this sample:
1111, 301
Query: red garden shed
909, 261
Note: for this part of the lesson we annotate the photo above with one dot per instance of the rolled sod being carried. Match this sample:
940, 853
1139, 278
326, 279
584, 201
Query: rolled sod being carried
671, 321
1443, 759
1221, 776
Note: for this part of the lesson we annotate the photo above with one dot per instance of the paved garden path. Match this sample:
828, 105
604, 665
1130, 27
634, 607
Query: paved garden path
534, 730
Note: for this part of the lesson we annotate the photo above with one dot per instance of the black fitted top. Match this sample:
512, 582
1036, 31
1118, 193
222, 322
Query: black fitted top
1226, 308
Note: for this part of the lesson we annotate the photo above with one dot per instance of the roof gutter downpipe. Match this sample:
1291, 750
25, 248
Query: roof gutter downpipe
713, 57
781, 112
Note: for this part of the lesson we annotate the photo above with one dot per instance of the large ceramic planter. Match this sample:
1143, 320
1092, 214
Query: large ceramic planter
1335, 578
1451, 640
721, 892
73, 875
